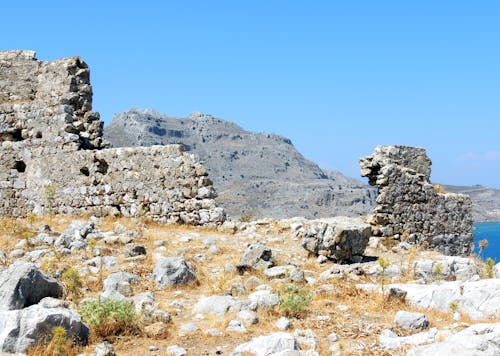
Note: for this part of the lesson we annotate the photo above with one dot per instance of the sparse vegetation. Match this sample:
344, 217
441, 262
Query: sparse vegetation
72, 284
482, 246
49, 192
489, 268
59, 345
384, 264
294, 300
438, 271
109, 317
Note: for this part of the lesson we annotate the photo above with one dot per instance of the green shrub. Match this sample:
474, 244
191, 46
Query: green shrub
384, 264
293, 300
58, 340
72, 284
109, 317
490, 267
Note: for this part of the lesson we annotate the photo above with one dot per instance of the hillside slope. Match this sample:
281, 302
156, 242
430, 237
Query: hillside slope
256, 174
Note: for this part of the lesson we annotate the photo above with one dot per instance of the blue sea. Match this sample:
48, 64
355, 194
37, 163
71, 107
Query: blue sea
488, 231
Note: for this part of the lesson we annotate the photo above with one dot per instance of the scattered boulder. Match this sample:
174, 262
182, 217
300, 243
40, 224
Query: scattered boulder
291, 272
390, 340
248, 317
134, 250
21, 329
256, 256
171, 271
339, 238
118, 285
217, 305
411, 321
269, 344
23, 284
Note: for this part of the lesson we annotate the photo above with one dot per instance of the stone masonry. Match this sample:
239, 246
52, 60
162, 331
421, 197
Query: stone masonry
410, 208
53, 158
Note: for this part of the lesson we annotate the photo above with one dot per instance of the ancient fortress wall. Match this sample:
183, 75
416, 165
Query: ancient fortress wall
410, 208
53, 159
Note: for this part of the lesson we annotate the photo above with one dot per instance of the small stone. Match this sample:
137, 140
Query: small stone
283, 323
104, 349
175, 350
188, 328
157, 330
236, 326
16, 253
133, 250
411, 321
214, 332
306, 339
248, 317
333, 338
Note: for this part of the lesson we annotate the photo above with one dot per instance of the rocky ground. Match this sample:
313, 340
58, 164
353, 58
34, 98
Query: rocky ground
247, 288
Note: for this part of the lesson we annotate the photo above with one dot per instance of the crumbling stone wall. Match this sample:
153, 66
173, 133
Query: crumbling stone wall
410, 208
53, 158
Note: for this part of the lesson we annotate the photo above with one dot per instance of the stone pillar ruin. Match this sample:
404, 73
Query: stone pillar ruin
410, 208
53, 158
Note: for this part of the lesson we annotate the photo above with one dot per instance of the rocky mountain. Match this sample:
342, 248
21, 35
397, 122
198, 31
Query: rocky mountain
485, 200
256, 174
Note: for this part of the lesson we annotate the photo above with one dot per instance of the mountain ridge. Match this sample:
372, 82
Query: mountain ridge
256, 174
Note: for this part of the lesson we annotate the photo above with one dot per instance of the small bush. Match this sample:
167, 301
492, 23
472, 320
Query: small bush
72, 284
293, 300
59, 345
109, 317
384, 264
438, 272
489, 268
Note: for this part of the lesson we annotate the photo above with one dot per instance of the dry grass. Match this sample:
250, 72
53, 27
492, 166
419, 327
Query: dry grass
358, 317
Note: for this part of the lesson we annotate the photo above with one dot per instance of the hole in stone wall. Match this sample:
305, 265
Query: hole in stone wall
12, 136
17, 135
85, 171
38, 134
20, 166
102, 166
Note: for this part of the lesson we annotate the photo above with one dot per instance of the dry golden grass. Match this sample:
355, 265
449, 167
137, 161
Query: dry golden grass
359, 326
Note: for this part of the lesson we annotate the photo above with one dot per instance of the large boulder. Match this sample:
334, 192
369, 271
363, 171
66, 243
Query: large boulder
478, 339
477, 299
256, 256
339, 238
23, 284
171, 271
21, 329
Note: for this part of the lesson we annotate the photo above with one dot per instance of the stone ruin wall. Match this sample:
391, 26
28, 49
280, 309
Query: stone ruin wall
53, 158
412, 209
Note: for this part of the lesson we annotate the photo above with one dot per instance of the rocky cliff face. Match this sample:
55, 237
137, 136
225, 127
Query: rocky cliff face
255, 174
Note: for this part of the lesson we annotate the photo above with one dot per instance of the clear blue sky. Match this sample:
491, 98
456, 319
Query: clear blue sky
337, 77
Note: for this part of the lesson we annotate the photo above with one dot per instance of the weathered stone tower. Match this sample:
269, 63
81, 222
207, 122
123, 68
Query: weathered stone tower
52, 156
410, 208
